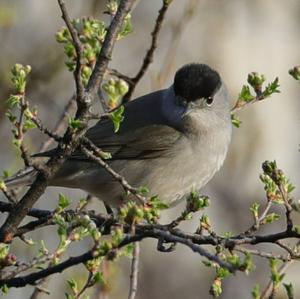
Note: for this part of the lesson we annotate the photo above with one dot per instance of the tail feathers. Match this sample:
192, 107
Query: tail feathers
23, 177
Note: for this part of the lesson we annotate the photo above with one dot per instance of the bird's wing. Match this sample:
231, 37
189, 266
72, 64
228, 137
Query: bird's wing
142, 134
142, 143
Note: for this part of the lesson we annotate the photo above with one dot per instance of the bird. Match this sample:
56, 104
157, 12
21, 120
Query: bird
171, 141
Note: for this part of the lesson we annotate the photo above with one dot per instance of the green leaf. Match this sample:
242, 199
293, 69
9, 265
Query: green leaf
216, 288
4, 250
3, 188
117, 117
68, 296
205, 222
276, 277
75, 124
29, 125
128, 250
6, 174
117, 237
295, 72
4, 289
106, 155
227, 235
222, 273
245, 94
256, 80
296, 228
234, 259
98, 278
247, 265
289, 290
12, 118
256, 292
63, 201
270, 218
235, 120
19, 75
157, 203
126, 27
143, 190
73, 285
196, 202
272, 88
13, 100
254, 209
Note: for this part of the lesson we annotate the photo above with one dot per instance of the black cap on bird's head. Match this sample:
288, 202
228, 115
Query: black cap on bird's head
195, 81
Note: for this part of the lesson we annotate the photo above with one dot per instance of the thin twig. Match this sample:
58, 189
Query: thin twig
85, 287
259, 220
149, 55
134, 271
94, 157
269, 288
40, 289
60, 123
262, 253
176, 33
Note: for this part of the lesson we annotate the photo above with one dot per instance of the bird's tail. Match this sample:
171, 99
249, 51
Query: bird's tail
22, 178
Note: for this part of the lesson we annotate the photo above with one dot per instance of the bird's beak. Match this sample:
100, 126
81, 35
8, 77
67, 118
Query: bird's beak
197, 104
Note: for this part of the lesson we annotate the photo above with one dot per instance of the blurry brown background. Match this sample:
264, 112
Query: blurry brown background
235, 37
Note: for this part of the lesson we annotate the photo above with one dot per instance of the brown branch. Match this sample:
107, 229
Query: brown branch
262, 253
258, 221
107, 46
134, 271
94, 157
60, 123
176, 33
53, 135
70, 139
149, 55
78, 49
267, 293
32, 278
86, 286
40, 289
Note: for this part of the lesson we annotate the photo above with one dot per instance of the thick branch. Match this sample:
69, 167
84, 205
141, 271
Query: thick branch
71, 139
107, 46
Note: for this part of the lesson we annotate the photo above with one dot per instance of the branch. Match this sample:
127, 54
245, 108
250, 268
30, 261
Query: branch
92, 155
22, 281
78, 49
60, 123
70, 139
107, 46
134, 271
149, 55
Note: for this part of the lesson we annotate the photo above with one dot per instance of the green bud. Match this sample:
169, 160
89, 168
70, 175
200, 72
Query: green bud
256, 80
289, 290
256, 292
295, 72
216, 288
245, 95
195, 202
3, 186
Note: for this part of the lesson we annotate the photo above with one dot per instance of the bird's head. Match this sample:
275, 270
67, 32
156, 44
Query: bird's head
199, 86
200, 96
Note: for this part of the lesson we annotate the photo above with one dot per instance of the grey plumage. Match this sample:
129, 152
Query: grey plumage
171, 141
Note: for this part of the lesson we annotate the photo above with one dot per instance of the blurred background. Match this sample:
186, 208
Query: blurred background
235, 37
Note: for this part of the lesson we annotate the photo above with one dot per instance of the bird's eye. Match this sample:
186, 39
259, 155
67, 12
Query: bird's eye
209, 101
